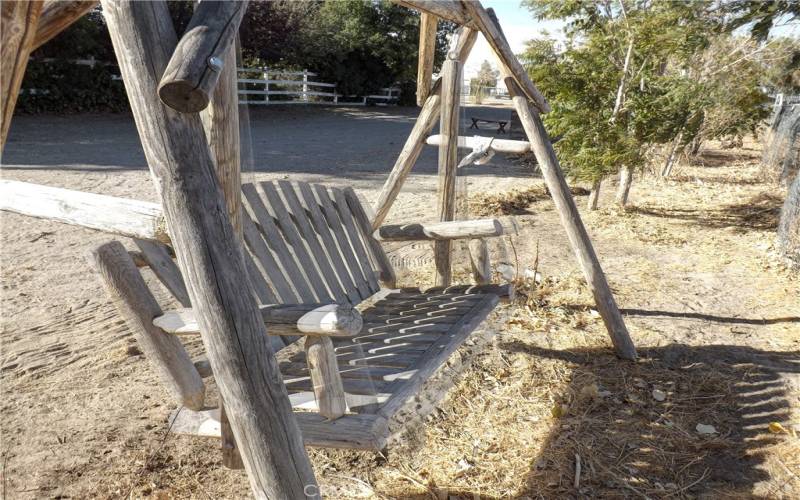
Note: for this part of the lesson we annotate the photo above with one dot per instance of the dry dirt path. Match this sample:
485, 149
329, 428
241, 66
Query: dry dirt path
715, 315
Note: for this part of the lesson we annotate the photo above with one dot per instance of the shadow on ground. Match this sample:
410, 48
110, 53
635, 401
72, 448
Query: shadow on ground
633, 446
760, 212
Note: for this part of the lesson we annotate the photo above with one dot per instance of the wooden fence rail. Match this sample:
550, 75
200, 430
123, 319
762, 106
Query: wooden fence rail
260, 82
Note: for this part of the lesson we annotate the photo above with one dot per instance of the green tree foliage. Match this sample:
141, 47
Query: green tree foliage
634, 73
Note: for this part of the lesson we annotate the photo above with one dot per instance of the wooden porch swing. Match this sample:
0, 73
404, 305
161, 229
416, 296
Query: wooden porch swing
301, 260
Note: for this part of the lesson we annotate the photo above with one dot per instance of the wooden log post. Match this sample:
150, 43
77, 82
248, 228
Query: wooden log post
221, 124
58, 15
568, 213
138, 307
199, 59
448, 162
571, 221
211, 259
123, 216
18, 21
480, 262
324, 371
451, 230
427, 50
412, 148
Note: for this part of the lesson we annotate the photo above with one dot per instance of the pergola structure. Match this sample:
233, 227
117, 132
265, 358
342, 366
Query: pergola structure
183, 96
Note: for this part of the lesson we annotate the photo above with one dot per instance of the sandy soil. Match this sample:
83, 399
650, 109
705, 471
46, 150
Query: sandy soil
715, 316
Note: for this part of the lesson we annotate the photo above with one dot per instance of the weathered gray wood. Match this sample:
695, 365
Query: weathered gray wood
427, 118
231, 458
480, 261
271, 269
137, 219
452, 10
336, 224
289, 230
160, 262
486, 23
355, 237
498, 145
213, 267
329, 242
449, 230
274, 239
332, 320
322, 365
505, 291
364, 432
257, 282
197, 63
138, 307
571, 221
321, 259
448, 163
427, 50
17, 34
58, 15
221, 124
431, 360
363, 220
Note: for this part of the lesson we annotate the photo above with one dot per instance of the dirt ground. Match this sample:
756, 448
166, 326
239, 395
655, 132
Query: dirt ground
714, 313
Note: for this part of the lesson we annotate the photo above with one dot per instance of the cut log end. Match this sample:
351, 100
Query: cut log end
184, 96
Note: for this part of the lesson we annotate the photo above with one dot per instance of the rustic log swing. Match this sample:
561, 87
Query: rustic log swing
300, 260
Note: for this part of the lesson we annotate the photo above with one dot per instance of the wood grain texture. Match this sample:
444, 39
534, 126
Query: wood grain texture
480, 262
426, 120
328, 390
138, 307
270, 270
312, 240
449, 230
498, 145
356, 239
363, 217
572, 223
452, 10
321, 227
448, 163
58, 15
166, 270
198, 61
210, 257
122, 216
427, 50
17, 33
221, 124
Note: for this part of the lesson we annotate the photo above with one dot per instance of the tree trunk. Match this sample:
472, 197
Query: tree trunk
625, 180
673, 155
594, 195
789, 226
779, 162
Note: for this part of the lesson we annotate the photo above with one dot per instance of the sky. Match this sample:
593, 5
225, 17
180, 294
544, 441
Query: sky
518, 24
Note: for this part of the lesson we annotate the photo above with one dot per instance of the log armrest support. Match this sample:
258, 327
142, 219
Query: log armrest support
325, 320
450, 230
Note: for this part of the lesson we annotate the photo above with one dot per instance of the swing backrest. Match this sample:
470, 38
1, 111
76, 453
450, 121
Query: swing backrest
309, 243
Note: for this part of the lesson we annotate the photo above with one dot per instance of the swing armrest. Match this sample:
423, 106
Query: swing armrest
452, 230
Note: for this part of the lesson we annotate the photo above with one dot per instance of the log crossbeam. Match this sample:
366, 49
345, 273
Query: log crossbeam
449, 230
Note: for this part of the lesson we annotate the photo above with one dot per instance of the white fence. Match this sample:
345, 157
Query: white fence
257, 85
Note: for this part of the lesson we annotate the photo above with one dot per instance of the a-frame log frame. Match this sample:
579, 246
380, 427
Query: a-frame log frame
211, 259
528, 102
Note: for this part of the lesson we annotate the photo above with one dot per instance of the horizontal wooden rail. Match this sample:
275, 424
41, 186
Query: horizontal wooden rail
330, 320
452, 230
499, 145
123, 216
